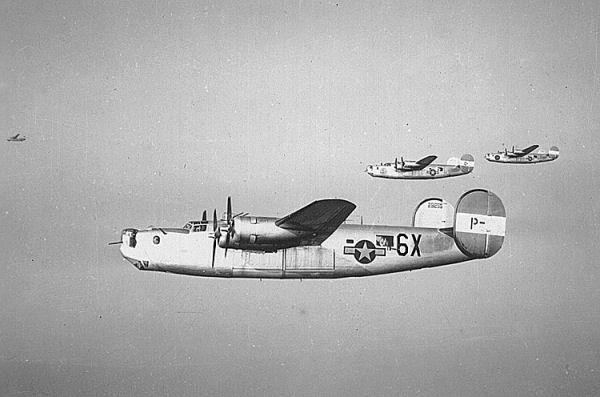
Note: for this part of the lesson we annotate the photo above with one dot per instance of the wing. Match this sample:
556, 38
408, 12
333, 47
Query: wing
424, 162
318, 219
523, 152
529, 149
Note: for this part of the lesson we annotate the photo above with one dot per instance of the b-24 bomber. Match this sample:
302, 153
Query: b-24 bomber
422, 169
315, 241
523, 156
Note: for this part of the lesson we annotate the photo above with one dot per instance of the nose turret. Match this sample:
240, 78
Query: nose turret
130, 249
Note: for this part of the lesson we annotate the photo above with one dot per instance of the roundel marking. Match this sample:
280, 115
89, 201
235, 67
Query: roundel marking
497, 157
432, 172
364, 251
529, 158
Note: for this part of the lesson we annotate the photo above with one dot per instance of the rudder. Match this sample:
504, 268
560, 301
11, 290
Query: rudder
467, 163
479, 223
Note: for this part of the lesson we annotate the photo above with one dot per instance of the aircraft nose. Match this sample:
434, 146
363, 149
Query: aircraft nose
128, 247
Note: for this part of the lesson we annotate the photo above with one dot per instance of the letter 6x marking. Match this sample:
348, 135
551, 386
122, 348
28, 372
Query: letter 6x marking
403, 247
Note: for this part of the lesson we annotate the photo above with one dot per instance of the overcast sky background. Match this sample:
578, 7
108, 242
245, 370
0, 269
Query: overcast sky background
147, 113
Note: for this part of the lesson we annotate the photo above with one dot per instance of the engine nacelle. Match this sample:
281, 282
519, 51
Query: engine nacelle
259, 234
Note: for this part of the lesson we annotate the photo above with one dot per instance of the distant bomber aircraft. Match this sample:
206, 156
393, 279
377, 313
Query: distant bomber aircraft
523, 156
314, 242
422, 169
16, 138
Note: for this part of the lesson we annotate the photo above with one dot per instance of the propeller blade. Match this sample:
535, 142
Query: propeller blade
216, 230
229, 230
228, 210
396, 164
115, 242
216, 235
214, 249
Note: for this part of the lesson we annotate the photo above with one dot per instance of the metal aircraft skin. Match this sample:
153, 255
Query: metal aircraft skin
16, 138
523, 156
422, 169
314, 242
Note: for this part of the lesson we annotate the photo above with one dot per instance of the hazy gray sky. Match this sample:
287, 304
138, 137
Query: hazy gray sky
147, 113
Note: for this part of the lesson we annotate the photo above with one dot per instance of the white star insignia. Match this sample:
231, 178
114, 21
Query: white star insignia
365, 252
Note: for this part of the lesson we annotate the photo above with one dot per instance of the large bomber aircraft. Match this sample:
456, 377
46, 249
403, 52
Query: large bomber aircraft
315, 242
422, 169
523, 156
16, 138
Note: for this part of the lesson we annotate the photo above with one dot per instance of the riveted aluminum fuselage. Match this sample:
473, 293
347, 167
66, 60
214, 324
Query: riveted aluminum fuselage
351, 251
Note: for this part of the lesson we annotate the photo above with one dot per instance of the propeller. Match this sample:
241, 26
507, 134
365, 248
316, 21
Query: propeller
229, 218
115, 242
396, 164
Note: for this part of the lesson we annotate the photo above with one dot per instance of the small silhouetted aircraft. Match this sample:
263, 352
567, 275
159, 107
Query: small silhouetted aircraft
523, 156
16, 138
315, 242
422, 169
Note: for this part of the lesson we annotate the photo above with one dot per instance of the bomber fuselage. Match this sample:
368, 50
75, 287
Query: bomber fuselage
351, 251
432, 171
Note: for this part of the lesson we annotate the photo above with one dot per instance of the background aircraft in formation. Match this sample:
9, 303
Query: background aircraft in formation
314, 242
523, 156
422, 169
16, 138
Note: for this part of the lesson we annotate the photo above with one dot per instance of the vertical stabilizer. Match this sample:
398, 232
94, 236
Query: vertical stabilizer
467, 163
434, 213
479, 223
